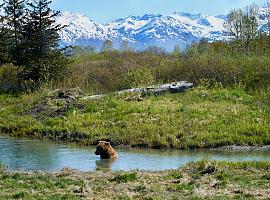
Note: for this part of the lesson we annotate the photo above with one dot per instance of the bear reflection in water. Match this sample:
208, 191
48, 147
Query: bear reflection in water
107, 155
105, 164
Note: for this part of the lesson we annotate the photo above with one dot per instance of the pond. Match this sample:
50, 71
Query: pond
27, 155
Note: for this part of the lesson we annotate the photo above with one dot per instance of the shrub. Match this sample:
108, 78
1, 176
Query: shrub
9, 79
253, 72
138, 77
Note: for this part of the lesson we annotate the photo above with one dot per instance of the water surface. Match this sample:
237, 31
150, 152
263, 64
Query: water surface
27, 154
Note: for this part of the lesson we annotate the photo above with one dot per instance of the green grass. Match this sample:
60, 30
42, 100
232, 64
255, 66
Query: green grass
200, 118
239, 180
38, 186
2, 167
124, 178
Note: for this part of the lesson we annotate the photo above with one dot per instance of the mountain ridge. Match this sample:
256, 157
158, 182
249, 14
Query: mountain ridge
179, 28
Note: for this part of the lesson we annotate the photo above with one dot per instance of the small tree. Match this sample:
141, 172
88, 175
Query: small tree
234, 25
176, 52
243, 27
125, 46
107, 46
155, 50
250, 27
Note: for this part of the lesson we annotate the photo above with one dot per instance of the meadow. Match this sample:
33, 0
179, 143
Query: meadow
202, 117
201, 180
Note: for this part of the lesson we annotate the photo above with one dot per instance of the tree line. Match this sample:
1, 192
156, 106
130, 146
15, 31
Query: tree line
29, 40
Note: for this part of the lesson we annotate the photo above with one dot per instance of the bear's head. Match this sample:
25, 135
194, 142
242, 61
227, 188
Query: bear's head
105, 150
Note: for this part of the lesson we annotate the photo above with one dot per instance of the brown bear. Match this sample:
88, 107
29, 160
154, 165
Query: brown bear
105, 150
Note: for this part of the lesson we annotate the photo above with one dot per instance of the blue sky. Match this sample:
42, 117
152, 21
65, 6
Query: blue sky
103, 11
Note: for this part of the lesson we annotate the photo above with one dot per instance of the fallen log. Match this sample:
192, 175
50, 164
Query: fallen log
176, 87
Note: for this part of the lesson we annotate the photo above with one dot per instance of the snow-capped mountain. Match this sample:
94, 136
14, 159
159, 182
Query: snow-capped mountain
166, 31
81, 30
263, 19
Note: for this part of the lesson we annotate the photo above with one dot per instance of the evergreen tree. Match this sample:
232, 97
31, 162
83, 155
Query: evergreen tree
43, 58
4, 36
14, 11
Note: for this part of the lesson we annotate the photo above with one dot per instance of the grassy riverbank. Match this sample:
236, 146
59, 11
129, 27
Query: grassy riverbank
200, 118
202, 180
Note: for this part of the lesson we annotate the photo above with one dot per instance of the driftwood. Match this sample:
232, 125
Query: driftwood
176, 87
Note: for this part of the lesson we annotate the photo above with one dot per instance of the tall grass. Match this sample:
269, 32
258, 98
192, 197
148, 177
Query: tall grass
201, 118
